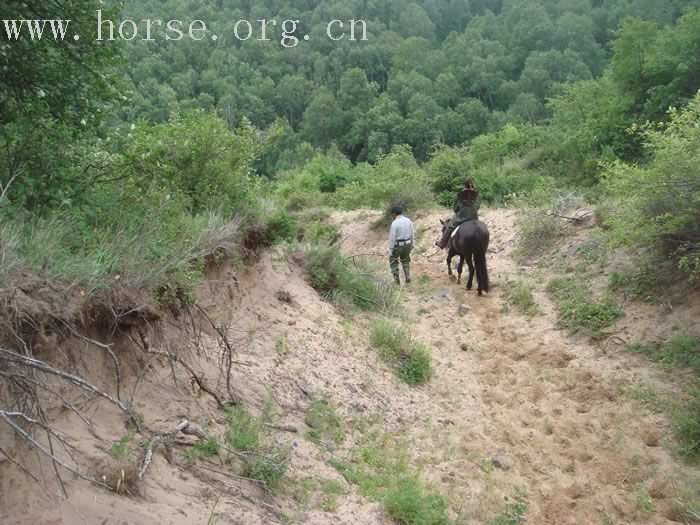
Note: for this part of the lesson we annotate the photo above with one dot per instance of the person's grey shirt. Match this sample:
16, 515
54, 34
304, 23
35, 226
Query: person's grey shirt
401, 229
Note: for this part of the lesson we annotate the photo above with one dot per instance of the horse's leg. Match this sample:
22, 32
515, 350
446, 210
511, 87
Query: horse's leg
460, 264
470, 281
449, 263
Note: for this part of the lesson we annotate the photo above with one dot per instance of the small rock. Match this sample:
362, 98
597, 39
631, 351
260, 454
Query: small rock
463, 347
442, 293
284, 296
502, 462
463, 309
357, 406
351, 388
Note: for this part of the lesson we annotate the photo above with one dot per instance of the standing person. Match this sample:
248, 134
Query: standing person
401, 240
466, 208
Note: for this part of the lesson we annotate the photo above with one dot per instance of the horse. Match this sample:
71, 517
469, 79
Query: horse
470, 242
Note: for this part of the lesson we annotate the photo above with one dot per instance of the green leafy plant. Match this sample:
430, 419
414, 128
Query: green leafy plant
519, 294
412, 359
323, 422
243, 431
578, 311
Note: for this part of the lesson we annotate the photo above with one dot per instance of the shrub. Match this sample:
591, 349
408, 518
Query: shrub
319, 232
578, 310
268, 467
411, 358
520, 295
395, 180
282, 226
243, 431
537, 232
329, 275
323, 421
408, 503
658, 204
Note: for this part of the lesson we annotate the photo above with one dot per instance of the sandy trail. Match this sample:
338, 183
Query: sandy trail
549, 402
552, 405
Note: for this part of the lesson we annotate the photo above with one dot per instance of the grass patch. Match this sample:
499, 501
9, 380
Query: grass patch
519, 295
330, 274
412, 359
268, 467
578, 311
323, 422
681, 351
380, 467
683, 410
514, 511
243, 431
124, 449
649, 278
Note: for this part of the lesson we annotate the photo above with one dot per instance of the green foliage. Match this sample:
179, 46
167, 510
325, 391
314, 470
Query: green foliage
395, 180
519, 294
408, 503
331, 275
206, 448
659, 204
243, 431
578, 311
682, 350
513, 512
319, 232
381, 469
323, 422
124, 448
412, 359
537, 232
53, 93
268, 467
282, 226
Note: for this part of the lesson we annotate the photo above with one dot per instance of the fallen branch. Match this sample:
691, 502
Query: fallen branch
75, 380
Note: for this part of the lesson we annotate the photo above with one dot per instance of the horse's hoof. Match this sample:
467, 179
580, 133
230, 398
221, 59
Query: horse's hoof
479, 293
469, 287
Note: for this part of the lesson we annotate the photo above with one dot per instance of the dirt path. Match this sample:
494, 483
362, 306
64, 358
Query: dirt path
551, 404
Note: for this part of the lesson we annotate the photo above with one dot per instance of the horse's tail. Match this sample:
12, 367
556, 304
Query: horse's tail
482, 274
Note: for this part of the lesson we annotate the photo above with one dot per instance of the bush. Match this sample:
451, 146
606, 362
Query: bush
578, 311
412, 359
329, 275
243, 431
658, 205
268, 467
282, 226
394, 180
323, 421
519, 294
408, 503
537, 232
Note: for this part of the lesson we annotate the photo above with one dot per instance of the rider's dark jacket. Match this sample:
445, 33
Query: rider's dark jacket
466, 207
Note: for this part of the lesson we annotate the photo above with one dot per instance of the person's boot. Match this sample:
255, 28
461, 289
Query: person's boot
445, 238
407, 273
396, 279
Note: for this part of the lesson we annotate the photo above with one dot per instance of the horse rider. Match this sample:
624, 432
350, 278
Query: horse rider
466, 208
401, 239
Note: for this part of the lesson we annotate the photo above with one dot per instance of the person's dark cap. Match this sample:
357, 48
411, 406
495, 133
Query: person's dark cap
396, 210
468, 183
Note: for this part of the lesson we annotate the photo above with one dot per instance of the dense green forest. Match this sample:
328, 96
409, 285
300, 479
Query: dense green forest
133, 158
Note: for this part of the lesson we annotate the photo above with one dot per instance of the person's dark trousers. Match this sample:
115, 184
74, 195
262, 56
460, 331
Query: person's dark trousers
403, 254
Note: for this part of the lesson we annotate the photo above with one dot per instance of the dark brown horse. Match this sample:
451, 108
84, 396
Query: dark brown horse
470, 242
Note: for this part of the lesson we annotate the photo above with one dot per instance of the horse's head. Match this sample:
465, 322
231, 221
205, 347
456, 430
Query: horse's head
444, 224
